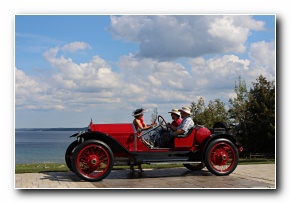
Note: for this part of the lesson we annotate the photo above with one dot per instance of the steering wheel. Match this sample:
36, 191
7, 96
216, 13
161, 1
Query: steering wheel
162, 123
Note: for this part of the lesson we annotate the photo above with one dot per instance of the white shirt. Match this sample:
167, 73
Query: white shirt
186, 124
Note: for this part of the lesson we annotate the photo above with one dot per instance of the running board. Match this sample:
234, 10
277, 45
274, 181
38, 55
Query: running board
174, 162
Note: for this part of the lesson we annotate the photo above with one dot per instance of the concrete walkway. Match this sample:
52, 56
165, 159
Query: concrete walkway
262, 176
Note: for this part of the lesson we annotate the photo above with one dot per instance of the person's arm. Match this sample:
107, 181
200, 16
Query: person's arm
143, 128
178, 132
180, 129
172, 127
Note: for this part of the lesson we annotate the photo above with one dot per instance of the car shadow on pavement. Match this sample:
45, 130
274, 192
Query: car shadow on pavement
127, 174
157, 173
61, 176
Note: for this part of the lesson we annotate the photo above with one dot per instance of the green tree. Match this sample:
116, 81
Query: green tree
208, 116
238, 111
215, 112
197, 110
260, 120
252, 112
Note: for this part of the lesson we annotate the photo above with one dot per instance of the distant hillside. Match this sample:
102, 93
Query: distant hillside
49, 129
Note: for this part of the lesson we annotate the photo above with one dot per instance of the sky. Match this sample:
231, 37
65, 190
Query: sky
70, 69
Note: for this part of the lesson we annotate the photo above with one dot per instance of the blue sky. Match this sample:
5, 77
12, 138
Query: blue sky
71, 68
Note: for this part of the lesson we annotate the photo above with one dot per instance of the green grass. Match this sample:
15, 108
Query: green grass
41, 167
61, 167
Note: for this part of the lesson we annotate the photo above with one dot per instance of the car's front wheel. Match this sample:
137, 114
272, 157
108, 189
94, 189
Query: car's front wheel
92, 160
221, 157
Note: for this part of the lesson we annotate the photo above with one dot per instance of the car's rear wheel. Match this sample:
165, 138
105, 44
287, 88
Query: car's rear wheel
92, 160
69, 152
194, 167
221, 157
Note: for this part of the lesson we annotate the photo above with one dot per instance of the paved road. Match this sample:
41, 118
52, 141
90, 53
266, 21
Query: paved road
261, 176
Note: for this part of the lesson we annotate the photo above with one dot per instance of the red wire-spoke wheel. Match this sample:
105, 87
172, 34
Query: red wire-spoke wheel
92, 160
221, 157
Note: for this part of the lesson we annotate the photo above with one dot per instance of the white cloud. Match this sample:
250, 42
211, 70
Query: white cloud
215, 77
69, 85
89, 76
219, 67
155, 81
150, 73
28, 90
138, 82
75, 46
219, 73
75, 87
25, 84
169, 37
263, 55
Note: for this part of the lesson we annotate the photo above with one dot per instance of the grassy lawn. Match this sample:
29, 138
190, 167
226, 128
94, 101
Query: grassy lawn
61, 167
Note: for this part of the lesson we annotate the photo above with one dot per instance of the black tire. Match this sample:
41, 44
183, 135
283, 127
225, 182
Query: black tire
92, 160
69, 153
221, 157
194, 167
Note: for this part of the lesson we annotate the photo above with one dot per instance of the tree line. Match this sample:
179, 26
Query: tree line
251, 114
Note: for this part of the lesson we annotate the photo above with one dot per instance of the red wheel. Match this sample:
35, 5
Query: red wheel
221, 157
92, 160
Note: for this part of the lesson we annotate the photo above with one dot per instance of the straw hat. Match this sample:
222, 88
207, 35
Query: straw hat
175, 111
138, 112
185, 110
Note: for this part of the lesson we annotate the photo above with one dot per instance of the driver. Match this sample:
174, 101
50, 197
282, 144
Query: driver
186, 124
175, 115
161, 136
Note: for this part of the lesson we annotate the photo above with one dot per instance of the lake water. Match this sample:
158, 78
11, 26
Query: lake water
41, 146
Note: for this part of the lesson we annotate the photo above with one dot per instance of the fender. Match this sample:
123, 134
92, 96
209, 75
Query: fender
110, 141
227, 136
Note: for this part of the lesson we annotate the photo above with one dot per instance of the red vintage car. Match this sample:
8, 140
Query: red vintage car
101, 146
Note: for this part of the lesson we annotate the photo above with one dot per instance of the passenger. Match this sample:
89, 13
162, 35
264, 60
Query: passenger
139, 120
140, 126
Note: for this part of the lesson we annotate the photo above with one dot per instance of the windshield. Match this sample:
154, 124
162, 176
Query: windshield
154, 115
